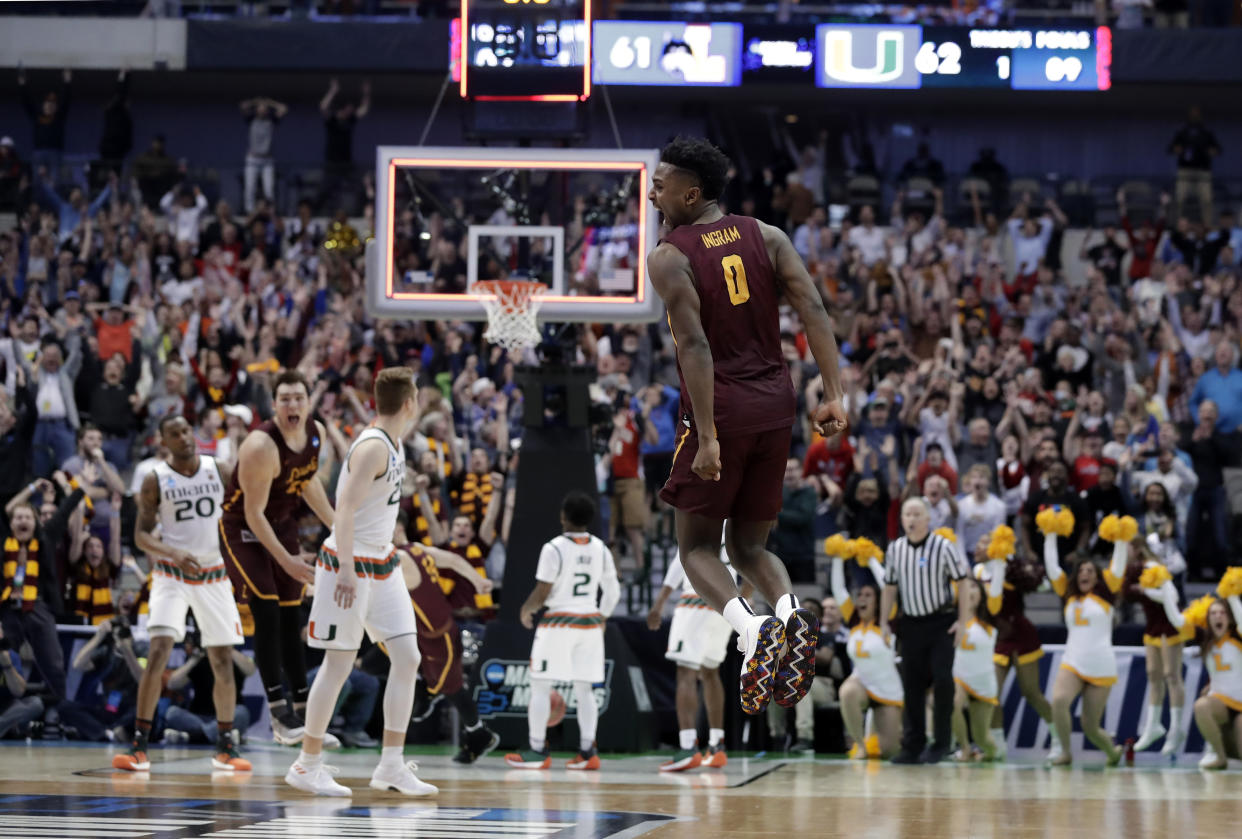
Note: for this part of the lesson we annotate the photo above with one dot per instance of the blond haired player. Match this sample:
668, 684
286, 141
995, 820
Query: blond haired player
183, 498
359, 586
698, 641
577, 580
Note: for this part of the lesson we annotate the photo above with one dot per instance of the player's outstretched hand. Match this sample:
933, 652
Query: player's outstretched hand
302, 568
829, 418
707, 460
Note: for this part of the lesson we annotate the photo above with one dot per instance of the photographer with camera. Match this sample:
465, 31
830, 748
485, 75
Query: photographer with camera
109, 695
16, 708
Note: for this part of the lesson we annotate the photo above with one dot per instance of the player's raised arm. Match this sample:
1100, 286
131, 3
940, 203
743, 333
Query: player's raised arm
673, 281
315, 496
800, 290
454, 562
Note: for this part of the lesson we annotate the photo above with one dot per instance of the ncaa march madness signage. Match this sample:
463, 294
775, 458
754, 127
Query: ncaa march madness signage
868, 56
505, 689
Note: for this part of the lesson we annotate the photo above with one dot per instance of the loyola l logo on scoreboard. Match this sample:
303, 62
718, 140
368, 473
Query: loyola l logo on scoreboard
868, 56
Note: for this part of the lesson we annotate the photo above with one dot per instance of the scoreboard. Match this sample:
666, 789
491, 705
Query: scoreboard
911, 57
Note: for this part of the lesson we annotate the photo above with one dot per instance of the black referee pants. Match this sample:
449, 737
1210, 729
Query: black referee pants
927, 662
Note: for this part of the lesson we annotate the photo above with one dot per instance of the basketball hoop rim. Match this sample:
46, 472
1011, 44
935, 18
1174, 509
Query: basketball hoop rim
509, 288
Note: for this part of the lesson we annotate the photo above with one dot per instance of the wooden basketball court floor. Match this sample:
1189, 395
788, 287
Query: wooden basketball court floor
54, 791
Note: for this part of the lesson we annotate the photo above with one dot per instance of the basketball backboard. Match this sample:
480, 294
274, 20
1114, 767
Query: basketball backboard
575, 219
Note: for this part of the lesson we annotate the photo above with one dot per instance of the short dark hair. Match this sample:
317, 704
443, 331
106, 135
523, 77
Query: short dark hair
291, 377
702, 159
165, 420
932, 447
85, 427
578, 508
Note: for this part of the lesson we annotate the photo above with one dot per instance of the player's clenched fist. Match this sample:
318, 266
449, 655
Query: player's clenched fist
707, 460
829, 418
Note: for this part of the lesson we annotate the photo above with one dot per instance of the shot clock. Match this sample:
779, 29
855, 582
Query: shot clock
523, 50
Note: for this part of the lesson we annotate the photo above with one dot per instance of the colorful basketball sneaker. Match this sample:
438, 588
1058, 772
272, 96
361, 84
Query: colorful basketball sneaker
761, 650
683, 761
797, 668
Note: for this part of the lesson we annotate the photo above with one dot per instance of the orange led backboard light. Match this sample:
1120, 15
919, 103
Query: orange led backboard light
596, 272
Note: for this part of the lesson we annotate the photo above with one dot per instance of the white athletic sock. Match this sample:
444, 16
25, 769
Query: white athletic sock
588, 715
1153, 717
391, 755
738, 613
310, 761
785, 607
686, 738
1052, 732
1175, 720
538, 712
715, 737
998, 737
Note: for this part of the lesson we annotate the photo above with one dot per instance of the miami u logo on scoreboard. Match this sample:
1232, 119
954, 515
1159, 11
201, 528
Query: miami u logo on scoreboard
868, 56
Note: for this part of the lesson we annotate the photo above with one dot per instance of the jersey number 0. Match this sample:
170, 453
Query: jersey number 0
735, 279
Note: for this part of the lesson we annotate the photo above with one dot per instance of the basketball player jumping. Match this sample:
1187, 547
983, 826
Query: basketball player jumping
276, 470
359, 585
183, 497
721, 278
574, 570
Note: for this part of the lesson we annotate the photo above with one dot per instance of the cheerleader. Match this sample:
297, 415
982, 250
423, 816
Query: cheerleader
1089, 666
875, 682
1149, 583
1218, 713
1010, 578
976, 690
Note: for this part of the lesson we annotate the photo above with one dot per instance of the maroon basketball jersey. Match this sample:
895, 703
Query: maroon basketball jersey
431, 607
738, 300
284, 500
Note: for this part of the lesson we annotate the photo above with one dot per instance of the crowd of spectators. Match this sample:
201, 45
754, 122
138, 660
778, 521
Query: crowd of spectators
988, 385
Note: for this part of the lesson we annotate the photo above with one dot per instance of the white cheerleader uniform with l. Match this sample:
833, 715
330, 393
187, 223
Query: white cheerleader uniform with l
875, 662
1224, 664
1089, 644
973, 667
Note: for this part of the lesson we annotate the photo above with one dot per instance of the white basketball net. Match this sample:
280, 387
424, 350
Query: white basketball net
512, 307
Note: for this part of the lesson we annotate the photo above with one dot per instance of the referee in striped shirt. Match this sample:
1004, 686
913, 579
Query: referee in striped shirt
920, 569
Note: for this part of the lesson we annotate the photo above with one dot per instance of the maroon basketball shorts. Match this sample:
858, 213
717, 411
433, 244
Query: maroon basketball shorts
252, 570
752, 472
441, 667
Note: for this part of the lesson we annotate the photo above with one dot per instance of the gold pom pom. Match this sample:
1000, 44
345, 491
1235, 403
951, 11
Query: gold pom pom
1196, 612
1127, 529
1231, 583
1154, 576
1055, 521
1109, 527
946, 532
1003, 543
838, 545
865, 550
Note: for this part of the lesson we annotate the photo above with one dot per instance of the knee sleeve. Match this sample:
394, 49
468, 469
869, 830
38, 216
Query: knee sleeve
399, 692
293, 650
321, 702
588, 712
267, 643
539, 710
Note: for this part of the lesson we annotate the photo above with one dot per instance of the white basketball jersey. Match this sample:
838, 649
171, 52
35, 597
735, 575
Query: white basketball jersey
189, 511
376, 514
577, 565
